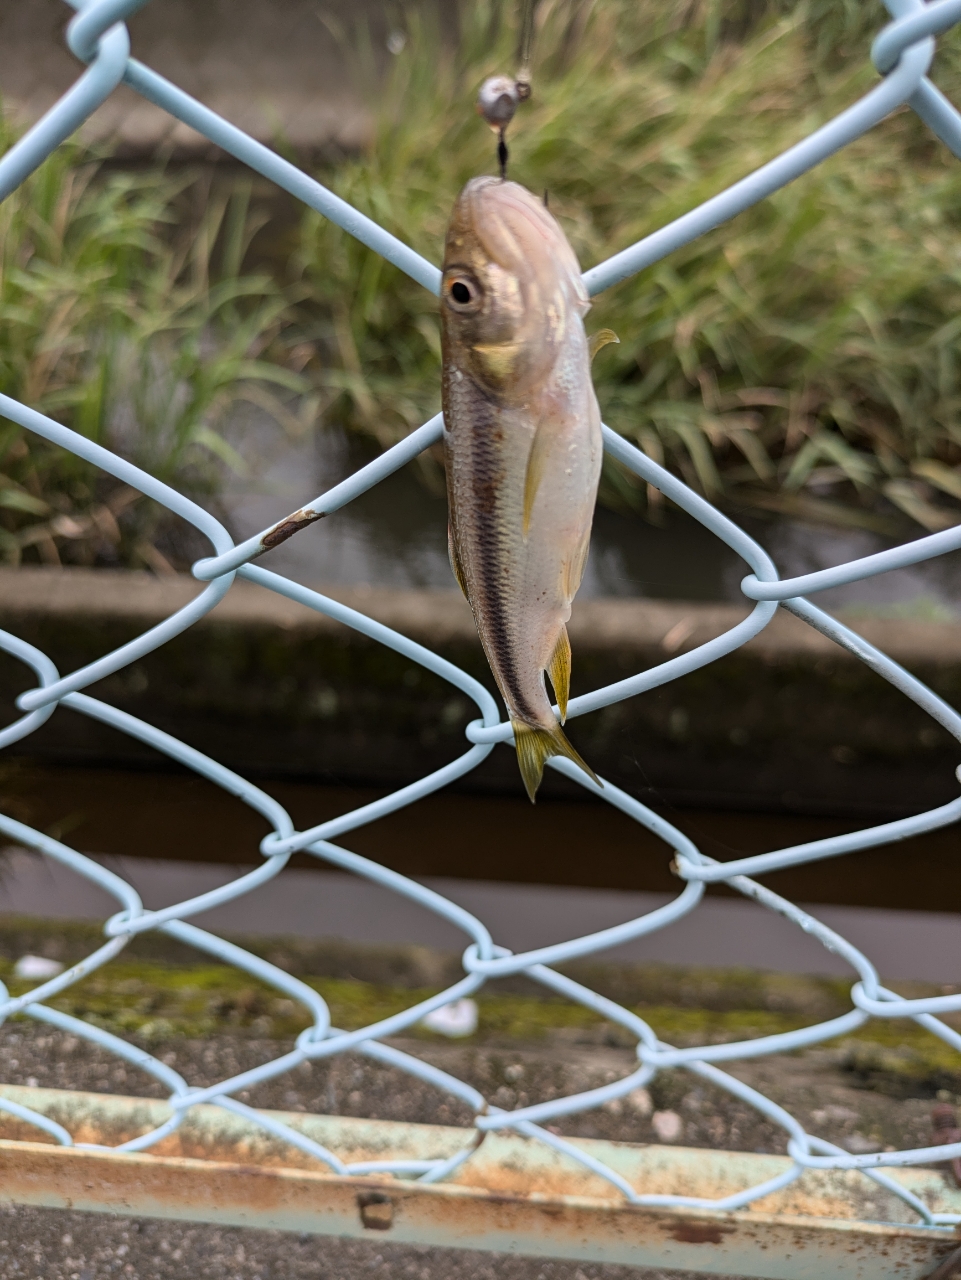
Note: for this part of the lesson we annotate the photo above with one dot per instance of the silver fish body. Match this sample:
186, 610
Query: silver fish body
523, 446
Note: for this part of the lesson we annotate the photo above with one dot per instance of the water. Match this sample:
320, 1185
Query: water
396, 536
166, 815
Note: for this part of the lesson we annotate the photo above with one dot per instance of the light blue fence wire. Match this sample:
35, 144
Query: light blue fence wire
903, 53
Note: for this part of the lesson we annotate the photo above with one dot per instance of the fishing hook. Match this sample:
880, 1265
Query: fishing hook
499, 95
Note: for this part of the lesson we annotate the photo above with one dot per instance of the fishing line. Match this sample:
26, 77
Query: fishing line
499, 95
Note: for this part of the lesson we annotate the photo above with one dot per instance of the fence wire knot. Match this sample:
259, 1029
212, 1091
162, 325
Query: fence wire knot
902, 53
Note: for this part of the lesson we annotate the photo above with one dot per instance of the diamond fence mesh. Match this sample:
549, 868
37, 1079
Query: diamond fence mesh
902, 53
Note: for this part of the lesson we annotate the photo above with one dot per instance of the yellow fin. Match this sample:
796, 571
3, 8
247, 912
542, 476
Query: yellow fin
559, 670
601, 339
536, 746
498, 359
455, 563
535, 470
573, 570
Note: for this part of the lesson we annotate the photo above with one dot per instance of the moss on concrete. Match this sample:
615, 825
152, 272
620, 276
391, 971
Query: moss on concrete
154, 1002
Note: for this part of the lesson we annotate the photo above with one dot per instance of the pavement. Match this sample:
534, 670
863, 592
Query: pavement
720, 933
58, 1244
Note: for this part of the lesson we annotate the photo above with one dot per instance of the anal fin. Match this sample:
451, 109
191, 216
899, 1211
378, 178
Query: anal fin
559, 670
573, 569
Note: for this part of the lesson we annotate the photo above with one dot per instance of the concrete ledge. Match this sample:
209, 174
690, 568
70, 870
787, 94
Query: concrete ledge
789, 722
441, 617
317, 903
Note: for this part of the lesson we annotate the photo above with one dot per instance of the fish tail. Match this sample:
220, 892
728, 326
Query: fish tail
536, 746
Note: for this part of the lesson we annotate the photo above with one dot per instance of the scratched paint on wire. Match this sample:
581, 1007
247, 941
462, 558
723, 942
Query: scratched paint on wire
902, 53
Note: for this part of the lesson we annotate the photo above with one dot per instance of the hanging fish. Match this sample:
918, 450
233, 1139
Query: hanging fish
523, 447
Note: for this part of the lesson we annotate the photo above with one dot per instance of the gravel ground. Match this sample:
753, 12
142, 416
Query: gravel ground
41, 1244
56, 1244
814, 1086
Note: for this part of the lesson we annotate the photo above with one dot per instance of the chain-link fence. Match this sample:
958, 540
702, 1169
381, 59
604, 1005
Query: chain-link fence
902, 53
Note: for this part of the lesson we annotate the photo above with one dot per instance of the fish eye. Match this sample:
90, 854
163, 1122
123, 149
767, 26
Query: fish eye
463, 292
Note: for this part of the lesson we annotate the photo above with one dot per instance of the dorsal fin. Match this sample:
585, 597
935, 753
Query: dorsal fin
455, 563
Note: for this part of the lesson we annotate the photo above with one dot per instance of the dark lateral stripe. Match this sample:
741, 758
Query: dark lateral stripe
475, 422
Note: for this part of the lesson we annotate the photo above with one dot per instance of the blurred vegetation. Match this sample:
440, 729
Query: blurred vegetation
125, 314
802, 358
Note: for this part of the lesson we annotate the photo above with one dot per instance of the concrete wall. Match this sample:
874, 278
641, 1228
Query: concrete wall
323, 904
789, 723
274, 67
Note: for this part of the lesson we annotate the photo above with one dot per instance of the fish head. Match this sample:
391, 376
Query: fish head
511, 290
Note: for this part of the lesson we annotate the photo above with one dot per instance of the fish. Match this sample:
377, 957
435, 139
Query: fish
523, 448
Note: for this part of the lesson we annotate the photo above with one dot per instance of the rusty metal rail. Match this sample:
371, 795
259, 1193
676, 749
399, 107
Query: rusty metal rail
677, 1217
516, 1195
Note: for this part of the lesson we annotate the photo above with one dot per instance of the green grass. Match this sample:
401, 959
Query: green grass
126, 314
801, 358
804, 357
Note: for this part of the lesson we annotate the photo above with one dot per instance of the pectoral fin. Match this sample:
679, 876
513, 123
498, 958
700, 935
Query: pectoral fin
536, 461
601, 339
497, 359
455, 563
559, 670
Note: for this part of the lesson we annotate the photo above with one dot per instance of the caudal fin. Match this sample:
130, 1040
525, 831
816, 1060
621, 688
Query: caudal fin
536, 746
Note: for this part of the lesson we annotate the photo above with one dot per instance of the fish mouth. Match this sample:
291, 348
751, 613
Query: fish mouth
512, 228
525, 218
